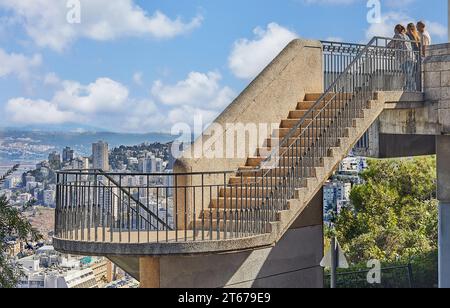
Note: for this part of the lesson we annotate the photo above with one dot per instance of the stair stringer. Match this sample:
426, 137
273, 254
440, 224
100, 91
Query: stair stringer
305, 195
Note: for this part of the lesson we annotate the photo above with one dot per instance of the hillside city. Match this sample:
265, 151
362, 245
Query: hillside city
34, 193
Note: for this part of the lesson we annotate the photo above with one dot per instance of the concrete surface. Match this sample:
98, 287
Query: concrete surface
437, 84
293, 262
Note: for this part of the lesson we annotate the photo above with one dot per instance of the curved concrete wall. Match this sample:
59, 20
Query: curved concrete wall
297, 70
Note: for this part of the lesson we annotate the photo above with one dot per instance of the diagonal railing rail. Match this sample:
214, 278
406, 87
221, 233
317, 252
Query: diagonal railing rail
138, 203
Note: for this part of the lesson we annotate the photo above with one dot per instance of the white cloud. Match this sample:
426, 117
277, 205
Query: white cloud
249, 57
73, 102
106, 103
45, 21
197, 90
437, 29
26, 111
103, 95
18, 65
199, 95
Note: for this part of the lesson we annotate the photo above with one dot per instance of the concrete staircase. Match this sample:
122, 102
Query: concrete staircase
238, 196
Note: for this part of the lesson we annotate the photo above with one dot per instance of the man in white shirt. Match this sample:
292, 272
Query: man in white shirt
425, 38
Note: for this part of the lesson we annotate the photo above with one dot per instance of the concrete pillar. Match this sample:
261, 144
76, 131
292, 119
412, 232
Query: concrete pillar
149, 272
437, 85
443, 195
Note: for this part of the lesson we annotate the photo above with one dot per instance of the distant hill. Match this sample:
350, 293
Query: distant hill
31, 145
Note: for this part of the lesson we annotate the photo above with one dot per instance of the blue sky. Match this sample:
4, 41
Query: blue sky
140, 66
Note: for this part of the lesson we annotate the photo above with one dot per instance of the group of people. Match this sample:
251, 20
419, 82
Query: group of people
415, 37
410, 44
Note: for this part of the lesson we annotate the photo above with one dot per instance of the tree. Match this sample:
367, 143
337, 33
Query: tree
12, 226
393, 215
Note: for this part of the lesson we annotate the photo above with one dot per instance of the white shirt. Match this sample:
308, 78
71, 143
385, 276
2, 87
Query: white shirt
425, 37
425, 40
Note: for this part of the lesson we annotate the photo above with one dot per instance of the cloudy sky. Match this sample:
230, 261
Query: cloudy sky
142, 66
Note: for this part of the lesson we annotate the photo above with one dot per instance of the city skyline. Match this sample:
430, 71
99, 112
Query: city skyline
180, 59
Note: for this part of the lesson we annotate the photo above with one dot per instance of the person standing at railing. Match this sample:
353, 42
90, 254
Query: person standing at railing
425, 37
405, 55
414, 36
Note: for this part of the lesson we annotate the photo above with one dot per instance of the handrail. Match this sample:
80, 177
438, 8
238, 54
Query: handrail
92, 172
129, 205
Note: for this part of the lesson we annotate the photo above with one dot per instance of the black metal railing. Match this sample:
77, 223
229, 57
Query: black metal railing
337, 56
98, 206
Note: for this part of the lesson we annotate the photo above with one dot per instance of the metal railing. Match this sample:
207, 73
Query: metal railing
392, 277
93, 205
337, 56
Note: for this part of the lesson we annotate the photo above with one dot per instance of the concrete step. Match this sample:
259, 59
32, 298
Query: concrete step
290, 123
330, 113
251, 182
250, 172
315, 96
308, 160
275, 142
234, 203
245, 191
290, 152
309, 132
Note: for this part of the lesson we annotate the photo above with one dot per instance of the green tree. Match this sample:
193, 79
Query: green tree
12, 226
393, 215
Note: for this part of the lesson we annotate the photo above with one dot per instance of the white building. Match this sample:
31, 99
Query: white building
48, 269
335, 196
353, 165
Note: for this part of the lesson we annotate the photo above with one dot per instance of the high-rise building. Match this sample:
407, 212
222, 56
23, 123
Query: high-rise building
54, 159
100, 156
68, 155
151, 164
159, 165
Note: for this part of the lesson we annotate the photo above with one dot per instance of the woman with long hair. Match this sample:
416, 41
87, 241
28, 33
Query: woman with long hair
414, 36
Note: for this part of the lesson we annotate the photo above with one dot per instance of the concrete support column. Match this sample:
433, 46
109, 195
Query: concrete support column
437, 85
443, 195
149, 272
